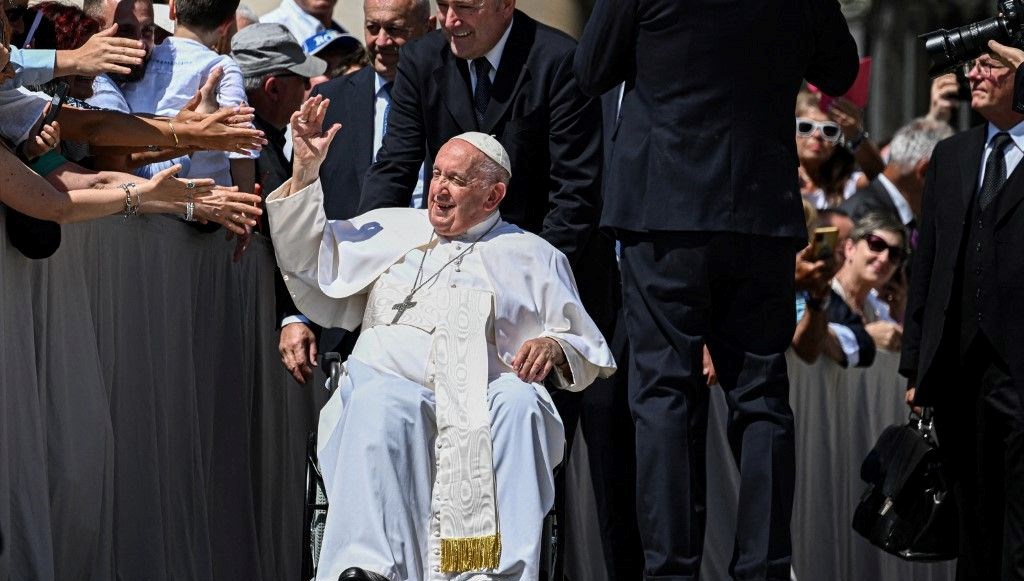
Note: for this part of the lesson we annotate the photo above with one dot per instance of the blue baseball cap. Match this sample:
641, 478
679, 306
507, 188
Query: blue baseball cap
329, 37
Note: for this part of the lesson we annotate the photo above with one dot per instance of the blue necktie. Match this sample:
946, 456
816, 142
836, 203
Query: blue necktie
386, 89
482, 95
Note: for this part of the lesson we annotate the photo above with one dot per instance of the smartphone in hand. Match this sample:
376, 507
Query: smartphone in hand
826, 238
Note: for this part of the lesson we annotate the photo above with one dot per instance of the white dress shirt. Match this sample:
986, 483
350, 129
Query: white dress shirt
493, 56
906, 214
1012, 154
301, 24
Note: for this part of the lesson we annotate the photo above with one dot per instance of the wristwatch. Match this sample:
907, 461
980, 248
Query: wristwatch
816, 304
854, 144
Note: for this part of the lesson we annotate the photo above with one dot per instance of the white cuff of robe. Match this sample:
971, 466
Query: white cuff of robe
294, 319
576, 363
848, 341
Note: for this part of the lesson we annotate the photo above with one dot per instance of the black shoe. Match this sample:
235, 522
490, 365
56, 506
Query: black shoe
357, 574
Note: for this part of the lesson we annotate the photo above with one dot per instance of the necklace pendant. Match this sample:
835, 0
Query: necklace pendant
402, 307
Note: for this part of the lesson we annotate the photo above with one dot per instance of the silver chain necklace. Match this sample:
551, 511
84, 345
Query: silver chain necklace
408, 303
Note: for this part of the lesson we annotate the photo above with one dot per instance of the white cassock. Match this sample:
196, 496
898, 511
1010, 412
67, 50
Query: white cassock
391, 456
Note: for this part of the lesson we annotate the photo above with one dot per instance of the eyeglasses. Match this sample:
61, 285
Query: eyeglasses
877, 244
985, 67
829, 131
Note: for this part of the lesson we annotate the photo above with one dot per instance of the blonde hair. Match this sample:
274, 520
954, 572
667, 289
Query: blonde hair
810, 219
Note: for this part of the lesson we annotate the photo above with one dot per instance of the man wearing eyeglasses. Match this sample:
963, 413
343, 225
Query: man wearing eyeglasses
361, 103
964, 331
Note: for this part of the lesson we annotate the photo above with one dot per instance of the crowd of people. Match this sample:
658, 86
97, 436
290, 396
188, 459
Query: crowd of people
649, 221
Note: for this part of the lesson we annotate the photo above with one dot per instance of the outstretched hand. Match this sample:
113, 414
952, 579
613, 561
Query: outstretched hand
310, 141
106, 53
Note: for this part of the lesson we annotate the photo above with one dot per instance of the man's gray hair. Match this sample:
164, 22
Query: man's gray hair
491, 171
246, 13
255, 83
915, 141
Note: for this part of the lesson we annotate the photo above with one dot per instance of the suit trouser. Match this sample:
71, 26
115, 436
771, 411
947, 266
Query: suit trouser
735, 293
980, 427
611, 450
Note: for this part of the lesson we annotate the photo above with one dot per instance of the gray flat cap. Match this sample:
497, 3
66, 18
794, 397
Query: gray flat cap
266, 47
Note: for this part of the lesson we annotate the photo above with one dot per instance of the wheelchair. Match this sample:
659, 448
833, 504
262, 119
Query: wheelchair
316, 506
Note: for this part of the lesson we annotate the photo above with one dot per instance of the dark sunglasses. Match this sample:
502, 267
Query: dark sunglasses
829, 130
878, 244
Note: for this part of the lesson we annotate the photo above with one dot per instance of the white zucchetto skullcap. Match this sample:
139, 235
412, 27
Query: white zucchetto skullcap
489, 146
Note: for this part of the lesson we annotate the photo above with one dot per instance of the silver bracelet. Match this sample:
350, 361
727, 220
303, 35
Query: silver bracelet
190, 211
130, 209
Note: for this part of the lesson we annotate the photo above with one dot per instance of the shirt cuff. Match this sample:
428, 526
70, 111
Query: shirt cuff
848, 342
33, 66
294, 319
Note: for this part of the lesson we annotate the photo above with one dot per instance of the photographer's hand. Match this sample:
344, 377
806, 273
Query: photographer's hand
943, 98
1008, 55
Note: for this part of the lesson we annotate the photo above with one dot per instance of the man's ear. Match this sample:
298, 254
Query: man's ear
921, 169
172, 11
495, 196
271, 87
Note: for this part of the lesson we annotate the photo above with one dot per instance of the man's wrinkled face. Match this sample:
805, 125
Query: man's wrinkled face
389, 24
474, 27
318, 8
991, 85
460, 197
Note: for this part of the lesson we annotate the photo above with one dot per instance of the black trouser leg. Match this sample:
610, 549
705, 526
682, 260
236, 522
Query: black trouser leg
608, 430
736, 292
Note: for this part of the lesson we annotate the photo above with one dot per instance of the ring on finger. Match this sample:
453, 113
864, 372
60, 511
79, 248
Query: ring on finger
303, 120
190, 185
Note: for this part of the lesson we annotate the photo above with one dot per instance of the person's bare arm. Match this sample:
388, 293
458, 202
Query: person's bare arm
104, 128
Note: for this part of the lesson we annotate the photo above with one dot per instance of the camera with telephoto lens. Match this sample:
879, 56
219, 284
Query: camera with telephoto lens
949, 49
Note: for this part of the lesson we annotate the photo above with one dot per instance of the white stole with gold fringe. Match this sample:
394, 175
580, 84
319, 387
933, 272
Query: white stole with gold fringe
470, 535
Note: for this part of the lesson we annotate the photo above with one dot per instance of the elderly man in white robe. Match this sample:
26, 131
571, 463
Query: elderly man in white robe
438, 448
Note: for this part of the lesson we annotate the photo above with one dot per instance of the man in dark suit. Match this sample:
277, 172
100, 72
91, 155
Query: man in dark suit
360, 102
897, 190
964, 332
702, 193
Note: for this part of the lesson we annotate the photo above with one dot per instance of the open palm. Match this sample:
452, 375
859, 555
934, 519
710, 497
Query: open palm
309, 140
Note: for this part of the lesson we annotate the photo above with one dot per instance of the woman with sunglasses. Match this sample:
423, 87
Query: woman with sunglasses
829, 147
874, 253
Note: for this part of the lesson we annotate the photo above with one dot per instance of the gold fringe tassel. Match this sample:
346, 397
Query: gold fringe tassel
470, 554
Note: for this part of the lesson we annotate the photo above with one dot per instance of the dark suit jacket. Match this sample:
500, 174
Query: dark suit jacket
932, 326
706, 139
869, 199
552, 133
352, 104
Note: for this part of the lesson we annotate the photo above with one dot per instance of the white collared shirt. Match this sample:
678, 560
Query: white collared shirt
301, 24
493, 56
1012, 154
906, 214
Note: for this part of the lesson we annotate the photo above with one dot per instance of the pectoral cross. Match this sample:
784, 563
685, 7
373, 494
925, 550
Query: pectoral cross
402, 307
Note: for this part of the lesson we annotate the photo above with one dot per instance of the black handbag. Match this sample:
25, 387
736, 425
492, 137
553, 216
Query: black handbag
907, 509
